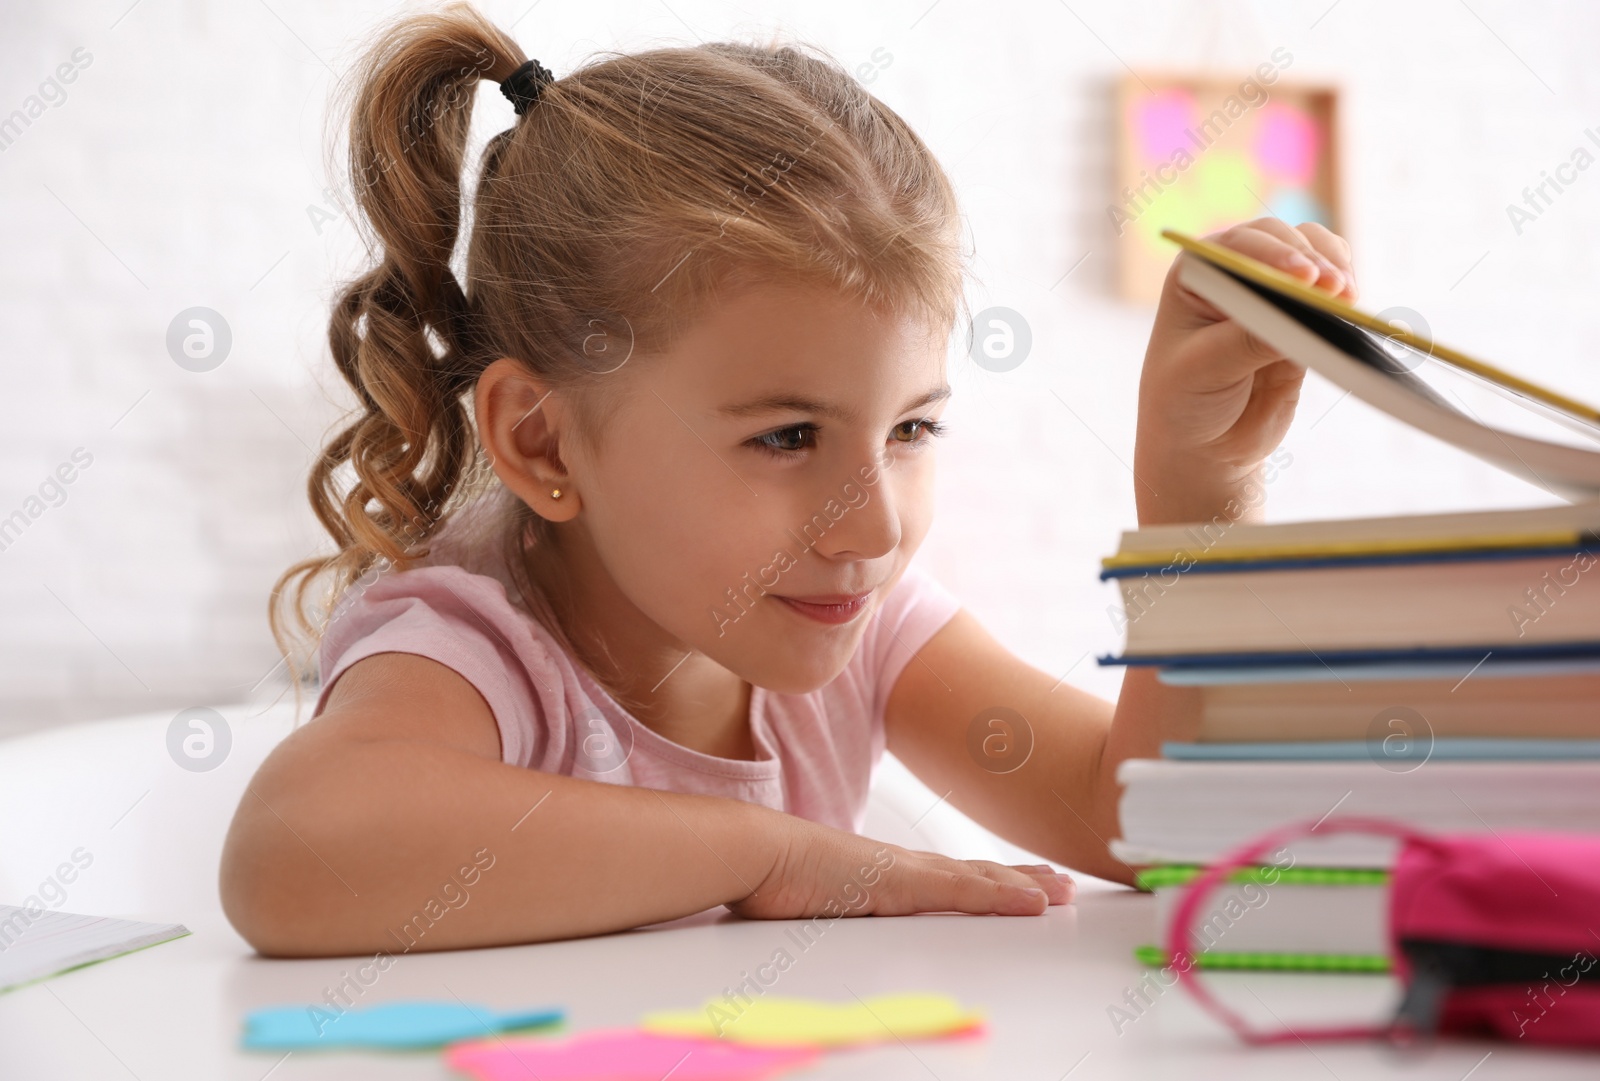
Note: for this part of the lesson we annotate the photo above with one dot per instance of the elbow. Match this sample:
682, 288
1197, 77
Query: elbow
252, 902
268, 936
272, 893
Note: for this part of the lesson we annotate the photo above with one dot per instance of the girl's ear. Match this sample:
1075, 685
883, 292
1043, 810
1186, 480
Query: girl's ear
521, 421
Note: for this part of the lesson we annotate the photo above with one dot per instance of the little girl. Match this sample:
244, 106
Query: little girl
621, 617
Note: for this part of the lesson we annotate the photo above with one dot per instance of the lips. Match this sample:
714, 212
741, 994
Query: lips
833, 608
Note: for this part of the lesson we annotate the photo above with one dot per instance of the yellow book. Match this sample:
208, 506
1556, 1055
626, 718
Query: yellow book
1563, 526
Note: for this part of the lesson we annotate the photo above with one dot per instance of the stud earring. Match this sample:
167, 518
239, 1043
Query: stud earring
555, 493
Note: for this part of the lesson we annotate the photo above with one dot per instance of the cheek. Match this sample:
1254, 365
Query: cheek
676, 530
911, 484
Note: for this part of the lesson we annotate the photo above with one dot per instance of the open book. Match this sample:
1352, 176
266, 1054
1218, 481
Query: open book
1528, 430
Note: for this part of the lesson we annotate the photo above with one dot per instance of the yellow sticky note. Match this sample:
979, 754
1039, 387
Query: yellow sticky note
772, 1021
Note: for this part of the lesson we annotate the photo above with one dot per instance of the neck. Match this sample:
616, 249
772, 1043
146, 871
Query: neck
680, 694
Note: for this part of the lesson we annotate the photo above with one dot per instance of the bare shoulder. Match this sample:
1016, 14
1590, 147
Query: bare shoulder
405, 697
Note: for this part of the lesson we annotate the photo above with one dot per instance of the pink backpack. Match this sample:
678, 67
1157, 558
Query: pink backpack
1491, 934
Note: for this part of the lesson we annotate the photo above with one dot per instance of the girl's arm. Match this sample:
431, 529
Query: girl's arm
390, 824
943, 722
1213, 404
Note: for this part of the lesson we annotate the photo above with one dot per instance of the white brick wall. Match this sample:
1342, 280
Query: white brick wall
179, 168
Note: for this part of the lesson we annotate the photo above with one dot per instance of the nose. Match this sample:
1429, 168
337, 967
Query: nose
867, 525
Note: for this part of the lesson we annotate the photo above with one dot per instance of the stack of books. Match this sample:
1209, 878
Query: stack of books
1439, 670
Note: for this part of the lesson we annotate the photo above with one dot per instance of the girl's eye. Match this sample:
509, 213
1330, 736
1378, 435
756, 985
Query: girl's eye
916, 432
796, 438
784, 441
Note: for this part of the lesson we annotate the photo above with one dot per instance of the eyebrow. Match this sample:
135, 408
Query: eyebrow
786, 403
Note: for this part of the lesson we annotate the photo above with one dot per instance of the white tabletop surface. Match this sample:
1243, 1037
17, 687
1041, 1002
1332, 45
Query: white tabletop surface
1047, 984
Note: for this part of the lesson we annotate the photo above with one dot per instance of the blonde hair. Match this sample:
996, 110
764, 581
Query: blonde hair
607, 215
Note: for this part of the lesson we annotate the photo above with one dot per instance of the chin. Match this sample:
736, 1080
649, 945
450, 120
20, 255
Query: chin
789, 668
793, 681
782, 657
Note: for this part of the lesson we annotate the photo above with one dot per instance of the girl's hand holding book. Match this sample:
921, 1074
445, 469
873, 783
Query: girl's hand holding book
1214, 401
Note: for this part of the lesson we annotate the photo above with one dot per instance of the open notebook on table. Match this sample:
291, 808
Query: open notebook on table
36, 944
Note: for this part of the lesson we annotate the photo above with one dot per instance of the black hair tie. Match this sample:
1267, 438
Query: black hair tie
523, 86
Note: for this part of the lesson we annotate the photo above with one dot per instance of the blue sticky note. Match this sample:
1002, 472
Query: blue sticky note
397, 1025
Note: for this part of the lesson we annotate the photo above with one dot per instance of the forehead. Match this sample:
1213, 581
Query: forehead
774, 347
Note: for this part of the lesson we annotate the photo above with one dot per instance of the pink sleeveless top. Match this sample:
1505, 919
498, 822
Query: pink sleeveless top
815, 753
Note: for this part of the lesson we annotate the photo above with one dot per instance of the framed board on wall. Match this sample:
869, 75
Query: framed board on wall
1200, 153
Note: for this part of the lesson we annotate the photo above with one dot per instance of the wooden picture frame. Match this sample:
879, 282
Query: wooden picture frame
1198, 153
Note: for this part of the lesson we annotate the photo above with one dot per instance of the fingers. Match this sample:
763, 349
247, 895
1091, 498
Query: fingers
911, 881
1276, 251
1335, 249
984, 887
1058, 887
1053, 882
1311, 253
969, 890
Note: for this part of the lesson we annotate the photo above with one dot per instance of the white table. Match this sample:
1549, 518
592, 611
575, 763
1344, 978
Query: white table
174, 1011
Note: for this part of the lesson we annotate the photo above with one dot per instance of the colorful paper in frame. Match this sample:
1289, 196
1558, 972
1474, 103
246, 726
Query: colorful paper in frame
782, 1022
623, 1055
1198, 154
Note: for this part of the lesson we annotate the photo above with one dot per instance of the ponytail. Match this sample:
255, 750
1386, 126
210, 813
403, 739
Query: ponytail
402, 334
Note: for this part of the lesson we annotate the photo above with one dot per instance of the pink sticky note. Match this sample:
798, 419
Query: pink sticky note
622, 1055
1161, 124
1287, 143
